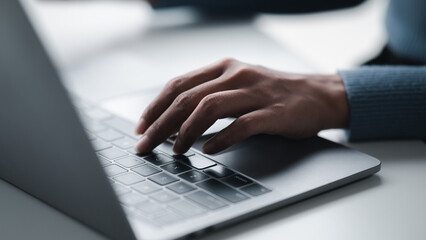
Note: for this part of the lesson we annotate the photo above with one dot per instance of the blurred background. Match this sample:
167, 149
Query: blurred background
107, 50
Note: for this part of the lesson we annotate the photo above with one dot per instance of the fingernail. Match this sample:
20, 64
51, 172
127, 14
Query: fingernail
209, 147
177, 147
141, 126
143, 145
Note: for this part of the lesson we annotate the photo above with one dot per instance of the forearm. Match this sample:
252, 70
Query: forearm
285, 6
386, 102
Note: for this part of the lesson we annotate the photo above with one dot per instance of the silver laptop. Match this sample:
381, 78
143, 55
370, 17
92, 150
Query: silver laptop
79, 158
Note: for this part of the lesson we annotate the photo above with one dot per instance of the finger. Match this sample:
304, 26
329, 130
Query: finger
173, 89
170, 121
211, 108
243, 127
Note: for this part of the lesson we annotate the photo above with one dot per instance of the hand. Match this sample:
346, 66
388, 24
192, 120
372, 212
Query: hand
263, 100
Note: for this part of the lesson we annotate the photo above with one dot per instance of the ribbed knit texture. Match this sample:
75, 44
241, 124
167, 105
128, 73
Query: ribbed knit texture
386, 102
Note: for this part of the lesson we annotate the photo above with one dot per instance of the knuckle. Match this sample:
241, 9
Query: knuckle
155, 128
153, 132
209, 104
183, 100
242, 71
239, 75
247, 124
175, 84
227, 61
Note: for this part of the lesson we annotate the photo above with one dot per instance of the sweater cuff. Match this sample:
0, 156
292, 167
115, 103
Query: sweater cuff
386, 102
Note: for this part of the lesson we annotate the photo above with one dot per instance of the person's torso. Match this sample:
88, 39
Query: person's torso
406, 26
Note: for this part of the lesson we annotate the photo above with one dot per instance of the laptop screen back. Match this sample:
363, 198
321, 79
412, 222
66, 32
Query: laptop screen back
44, 150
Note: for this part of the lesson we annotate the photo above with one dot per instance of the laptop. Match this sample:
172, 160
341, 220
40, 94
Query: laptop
79, 159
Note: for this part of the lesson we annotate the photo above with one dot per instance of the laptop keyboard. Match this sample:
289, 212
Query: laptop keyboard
162, 188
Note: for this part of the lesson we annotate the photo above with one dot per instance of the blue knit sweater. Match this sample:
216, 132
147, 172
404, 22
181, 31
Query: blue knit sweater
384, 101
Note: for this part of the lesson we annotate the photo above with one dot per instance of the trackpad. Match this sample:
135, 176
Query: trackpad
258, 157
274, 160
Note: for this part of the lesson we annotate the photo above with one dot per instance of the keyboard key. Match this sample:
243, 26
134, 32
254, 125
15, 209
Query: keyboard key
255, 189
181, 187
122, 125
185, 208
131, 199
166, 219
197, 161
158, 159
149, 207
166, 148
163, 179
109, 135
221, 190
113, 170
112, 153
97, 114
104, 162
193, 176
146, 170
125, 143
146, 187
184, 155
99, 144
127, 210
153, 213
119, 190
133, 151
129, 178
175, 167
173, 137
206, 200
188, 153
94, 127
237, 180
218, 171
164, 196
129, 161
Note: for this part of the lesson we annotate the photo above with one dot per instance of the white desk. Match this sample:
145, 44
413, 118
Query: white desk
389, 205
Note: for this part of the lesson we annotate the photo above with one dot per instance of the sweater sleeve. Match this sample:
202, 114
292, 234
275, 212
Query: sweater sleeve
281, 6
386, 102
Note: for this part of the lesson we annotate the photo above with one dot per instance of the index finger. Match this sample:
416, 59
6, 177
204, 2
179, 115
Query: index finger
173, 89
170, 121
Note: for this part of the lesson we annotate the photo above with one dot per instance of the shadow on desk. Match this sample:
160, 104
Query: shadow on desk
270, 217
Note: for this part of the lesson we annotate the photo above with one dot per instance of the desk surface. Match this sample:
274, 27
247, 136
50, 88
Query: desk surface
388, 205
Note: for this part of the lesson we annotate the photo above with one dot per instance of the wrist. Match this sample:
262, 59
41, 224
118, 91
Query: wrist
337, 110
